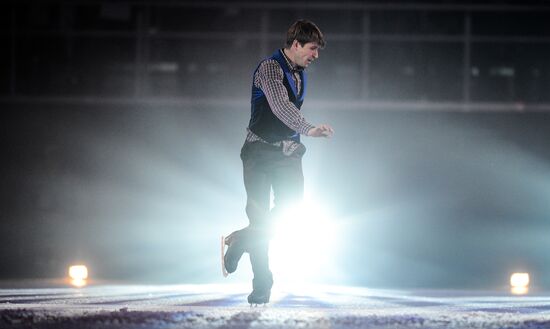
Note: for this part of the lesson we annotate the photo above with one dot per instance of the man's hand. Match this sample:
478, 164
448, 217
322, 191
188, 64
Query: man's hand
321, 131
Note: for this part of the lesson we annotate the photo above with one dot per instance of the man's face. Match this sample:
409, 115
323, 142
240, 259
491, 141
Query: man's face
303, 56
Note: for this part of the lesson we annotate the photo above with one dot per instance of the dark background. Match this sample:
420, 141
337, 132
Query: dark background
122, 124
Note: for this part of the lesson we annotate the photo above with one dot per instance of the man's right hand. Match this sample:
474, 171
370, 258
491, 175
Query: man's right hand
323, 130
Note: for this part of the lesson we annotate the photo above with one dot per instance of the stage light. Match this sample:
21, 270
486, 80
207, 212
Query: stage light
78, 275
304, 244
519, 283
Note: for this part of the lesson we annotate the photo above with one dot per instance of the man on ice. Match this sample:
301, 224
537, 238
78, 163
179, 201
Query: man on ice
272, 152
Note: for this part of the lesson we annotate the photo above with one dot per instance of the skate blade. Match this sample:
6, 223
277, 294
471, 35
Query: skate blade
224, 271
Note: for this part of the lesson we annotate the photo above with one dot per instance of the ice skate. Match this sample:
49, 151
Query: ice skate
224, 271
261, 291
236, 247
258, 298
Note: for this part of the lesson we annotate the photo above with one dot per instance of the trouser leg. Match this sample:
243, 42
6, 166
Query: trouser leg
258, 188
265, 168
257, 183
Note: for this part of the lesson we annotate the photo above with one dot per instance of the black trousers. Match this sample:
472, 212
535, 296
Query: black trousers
266, 167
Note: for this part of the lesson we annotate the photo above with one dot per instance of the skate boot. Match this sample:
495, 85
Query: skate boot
236, 246
261, 291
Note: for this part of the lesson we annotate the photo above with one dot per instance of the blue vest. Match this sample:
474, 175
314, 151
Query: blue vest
262, 120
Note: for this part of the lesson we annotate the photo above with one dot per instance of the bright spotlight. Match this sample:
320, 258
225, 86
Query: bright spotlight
78, 275
303, 247
519, 283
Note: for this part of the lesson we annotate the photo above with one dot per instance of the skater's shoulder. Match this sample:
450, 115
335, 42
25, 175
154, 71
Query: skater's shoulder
269, 63
270, 67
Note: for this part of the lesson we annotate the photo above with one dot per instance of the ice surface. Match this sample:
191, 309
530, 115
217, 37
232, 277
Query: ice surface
224, 306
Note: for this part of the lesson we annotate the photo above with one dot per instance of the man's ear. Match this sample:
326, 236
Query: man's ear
295, 44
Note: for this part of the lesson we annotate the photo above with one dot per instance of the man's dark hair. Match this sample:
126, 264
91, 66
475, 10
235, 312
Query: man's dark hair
304, 31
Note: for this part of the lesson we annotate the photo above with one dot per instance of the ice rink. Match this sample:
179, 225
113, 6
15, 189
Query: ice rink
224, 306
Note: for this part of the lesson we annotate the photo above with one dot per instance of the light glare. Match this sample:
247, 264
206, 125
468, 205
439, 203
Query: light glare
519, 283
303, 245
78, 272
78, 275
519, 280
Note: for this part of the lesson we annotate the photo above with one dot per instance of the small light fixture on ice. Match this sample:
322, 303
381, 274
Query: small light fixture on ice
519, 283
78, 275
